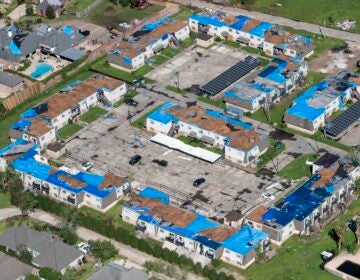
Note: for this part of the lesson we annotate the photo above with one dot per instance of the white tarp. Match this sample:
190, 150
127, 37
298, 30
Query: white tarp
185, 148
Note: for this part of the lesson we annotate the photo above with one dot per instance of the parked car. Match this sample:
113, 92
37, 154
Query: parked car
84, 247
131, 102
134, 159
198, 182
268, 196
348, 51
87, 165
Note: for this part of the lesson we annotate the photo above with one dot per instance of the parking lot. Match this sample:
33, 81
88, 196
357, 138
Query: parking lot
110, 142
197, 66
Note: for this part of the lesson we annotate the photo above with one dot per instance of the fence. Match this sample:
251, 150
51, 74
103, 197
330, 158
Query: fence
19, 97
88, 8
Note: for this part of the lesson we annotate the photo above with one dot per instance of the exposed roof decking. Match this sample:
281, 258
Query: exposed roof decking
257, 213
219, 234
173, 215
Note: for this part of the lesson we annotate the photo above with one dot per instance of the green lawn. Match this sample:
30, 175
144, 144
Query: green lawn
197, 143
158, 59
78, 5
170, 52
232, 44
215, 102
128, 95
299, 258
107, 14
176, 90
13, 115
317, 12
188, 41
93, 114
68, 130
103, 67
298, 167
4, 200
140, 122
184, 13
275, 149
3, 226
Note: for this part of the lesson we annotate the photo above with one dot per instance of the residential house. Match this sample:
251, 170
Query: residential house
12, 269
192, 234
42, 6
47, 251
134, 53
40, 123
241, 143
303, 211
10, 83
309, 111
69, 185
11, 152
115, 271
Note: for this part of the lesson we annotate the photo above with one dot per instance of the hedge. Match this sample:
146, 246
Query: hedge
108, 229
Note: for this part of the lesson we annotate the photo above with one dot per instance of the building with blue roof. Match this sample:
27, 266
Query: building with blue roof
138, 49
310, 110
241, 143
202, 238
305, 209
75, 187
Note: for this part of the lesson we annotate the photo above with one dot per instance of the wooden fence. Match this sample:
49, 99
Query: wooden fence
19, 97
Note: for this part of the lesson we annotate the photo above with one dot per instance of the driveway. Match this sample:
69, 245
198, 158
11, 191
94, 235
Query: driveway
18, 12
347, 36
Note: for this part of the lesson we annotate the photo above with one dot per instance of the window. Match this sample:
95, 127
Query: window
63, 191
151, 122
200, 131
63, 115
88, 195
238, 256
252, 37
161, 230
227, 251
230, 30
42, 138
237, 32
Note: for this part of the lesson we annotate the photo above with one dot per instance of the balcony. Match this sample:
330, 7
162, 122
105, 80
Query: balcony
179, 242
45, 189
71, 199
209, 254
170, 238
36, 186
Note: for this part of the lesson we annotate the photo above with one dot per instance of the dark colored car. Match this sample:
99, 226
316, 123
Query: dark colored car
198, 182
131, 102
348, 51
135, 159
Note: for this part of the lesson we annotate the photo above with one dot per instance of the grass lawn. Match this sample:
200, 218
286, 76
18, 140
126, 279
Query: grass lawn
4, 200
3, 226
299, 258
78, 5
272, 152
103, 67
68, 130
215, 102
107, 14
140, 122
328, 11
197, 143
14, 114
176, 90
232, 44
170, 52
158, 59
93, 114
188, 41
298, 167
128, 95
184, 13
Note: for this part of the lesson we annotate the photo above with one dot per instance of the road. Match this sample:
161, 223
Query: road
135, 257
347, 36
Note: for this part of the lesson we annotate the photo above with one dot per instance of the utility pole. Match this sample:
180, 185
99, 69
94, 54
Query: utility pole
177, 74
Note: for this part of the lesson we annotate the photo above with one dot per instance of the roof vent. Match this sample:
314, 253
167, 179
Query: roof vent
192, 114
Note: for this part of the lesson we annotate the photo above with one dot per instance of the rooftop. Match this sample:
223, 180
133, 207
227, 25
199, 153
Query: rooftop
219, 234
249, 91
257, 214
9, 79
12, 269
114, 271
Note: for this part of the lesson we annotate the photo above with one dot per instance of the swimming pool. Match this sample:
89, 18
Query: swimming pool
40, 70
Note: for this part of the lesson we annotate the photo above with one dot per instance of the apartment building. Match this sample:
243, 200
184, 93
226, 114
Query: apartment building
134, 53
192, 234
40, 123
241, 143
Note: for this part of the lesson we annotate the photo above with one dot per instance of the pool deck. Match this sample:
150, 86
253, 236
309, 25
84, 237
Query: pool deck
332, 265
48, 60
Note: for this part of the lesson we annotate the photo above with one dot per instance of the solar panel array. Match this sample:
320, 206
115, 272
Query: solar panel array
230, 76
345, 120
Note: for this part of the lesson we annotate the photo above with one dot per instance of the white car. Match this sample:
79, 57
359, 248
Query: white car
87, 165
268, 196
84, 247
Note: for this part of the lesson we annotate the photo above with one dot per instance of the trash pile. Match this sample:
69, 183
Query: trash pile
346, 24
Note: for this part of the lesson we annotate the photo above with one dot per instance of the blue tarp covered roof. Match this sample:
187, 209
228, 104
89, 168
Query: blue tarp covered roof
21, 125
18, 142
242, 20
208, 20
30, 113
219, 115
261, 29
274, 72
14, 48
154, 25
244, 240
149, 192
161, 114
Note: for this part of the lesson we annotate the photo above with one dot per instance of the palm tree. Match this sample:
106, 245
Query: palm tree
340, 231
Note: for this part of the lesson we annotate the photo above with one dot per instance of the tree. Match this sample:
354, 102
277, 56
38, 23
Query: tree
29, 10
68, 235
26, 203
339, 231
70, 274
6, 176
103, 249
31, 277
16, 188
24, 255
50, 12
48, 273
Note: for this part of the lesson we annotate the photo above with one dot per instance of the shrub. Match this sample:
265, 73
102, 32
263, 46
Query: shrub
68, 235
48, 273
103, 249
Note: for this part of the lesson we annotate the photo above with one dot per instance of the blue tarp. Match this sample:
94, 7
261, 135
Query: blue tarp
18, 142
238, 25
126, 59
273, 72
149, 192
154, 25
221, 116
201, 223
30, 113
68, 30
243, 241
22, 125
208, 20
14, 48
161, 115
261, 29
